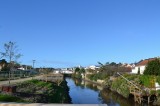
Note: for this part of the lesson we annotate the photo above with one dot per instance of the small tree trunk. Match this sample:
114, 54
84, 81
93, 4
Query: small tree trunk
9, 76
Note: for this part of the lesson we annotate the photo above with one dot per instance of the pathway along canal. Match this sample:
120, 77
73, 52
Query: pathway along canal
84, 92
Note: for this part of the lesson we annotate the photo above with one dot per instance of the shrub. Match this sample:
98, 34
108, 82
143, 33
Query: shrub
8, 98
153, 68
147, 80
121, 86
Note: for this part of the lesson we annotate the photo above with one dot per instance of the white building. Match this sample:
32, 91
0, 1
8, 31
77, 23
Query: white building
141, 66
93, 67
56, 72
21, 68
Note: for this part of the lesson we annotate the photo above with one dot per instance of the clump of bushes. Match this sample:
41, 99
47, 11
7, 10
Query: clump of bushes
147, 80
95, 77
121, 86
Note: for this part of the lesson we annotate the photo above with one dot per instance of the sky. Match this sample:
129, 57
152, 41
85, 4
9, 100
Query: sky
68, 33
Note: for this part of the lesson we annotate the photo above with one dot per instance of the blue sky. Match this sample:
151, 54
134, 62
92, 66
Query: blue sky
66, 33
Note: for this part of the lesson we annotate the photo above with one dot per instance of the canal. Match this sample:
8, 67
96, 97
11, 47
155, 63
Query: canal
84, 92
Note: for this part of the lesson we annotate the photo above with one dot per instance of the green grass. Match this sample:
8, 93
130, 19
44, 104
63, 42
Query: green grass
8, 98
54, 93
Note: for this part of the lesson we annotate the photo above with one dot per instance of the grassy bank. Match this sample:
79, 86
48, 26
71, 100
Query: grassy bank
10, 98
35, 91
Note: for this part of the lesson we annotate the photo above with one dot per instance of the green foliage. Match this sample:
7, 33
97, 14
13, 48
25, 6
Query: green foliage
153, 68
5, 68
52, 93
77, 70
152, 92
147, 80
131, 77
95, 77
158, 79
4, 65
82, 70
77, 76
8, 98
120, 86
158, 91
112, 68
92, 77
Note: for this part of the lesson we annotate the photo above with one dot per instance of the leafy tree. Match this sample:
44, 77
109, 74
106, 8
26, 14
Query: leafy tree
82, 70
4, 65
77, 70
113, 64
153, 68
107, 68
3, 61
100, 63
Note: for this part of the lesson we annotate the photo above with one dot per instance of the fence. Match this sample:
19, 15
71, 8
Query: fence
4, 75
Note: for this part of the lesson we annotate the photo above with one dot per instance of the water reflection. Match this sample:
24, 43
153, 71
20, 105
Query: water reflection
86, 84
84, 92
114, 99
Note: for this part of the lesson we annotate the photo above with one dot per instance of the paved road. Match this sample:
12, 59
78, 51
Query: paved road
19, 80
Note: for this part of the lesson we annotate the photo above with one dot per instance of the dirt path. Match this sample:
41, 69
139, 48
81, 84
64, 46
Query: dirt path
19, 80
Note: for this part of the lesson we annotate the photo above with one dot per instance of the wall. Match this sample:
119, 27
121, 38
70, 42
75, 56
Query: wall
135, 70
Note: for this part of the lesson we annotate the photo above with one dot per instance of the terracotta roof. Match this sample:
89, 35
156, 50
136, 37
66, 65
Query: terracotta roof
144, 62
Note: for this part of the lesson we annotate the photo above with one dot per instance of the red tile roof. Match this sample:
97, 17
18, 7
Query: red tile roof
144, 62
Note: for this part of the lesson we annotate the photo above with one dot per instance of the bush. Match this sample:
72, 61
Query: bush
95, 77
77, 76
153, 68
158, 79
8, 98
147, 80
121, 86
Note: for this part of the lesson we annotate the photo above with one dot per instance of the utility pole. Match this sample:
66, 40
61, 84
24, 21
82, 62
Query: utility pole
33, 66
33, 63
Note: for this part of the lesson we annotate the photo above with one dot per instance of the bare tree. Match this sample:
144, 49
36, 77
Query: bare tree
11, 53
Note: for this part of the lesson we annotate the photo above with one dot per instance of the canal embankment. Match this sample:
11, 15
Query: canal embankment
122, 87
35, 91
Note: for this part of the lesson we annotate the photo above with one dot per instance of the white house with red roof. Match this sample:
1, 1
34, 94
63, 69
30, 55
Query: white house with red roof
141, 66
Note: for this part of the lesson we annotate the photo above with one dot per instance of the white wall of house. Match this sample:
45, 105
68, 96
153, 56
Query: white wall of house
135, 69
57, 72
157, 86
93, 67
21, 68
